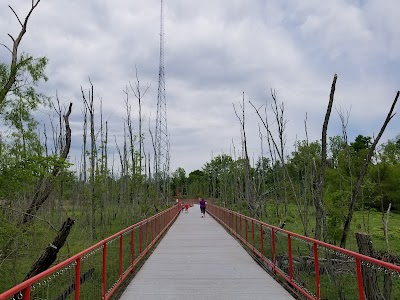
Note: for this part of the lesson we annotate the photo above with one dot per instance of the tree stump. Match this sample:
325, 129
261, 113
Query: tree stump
371, 288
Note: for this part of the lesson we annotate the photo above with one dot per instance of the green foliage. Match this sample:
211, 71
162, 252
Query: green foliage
385, 190
178, 182
197, 184
336, 146
22, 160
29, 72
302, 160
336, 208
361, 143
390, 152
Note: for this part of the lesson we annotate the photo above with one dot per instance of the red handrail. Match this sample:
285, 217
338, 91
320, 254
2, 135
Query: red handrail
223, 215
168, 216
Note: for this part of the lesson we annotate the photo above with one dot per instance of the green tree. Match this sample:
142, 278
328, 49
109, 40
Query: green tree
219, 168
197, 184
390, 152
178, 182
361, 143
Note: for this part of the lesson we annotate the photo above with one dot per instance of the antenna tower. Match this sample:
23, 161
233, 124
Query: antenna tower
161, 135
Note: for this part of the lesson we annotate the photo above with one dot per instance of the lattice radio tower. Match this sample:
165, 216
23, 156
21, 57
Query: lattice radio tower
161, 136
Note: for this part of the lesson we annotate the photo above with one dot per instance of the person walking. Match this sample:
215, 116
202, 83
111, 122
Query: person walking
203, 205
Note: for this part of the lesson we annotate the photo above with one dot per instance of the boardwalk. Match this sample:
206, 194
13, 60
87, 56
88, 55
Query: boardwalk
198, 259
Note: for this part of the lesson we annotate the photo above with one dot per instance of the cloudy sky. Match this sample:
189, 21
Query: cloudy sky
214, 51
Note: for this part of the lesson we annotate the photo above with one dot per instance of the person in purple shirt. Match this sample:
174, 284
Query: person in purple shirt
203, 205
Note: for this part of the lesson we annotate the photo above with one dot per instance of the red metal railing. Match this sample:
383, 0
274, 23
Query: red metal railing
98, 271
315, 269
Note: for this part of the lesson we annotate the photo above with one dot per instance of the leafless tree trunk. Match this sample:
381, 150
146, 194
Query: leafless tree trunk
385, 221
278, 111
45, 185
308, 181
9, 82
371, 287
93, 154
59, 145
272, 154
132, 139
363, 171
139, 96
285, 169
320, 215
249, 184
49, 256
106, 196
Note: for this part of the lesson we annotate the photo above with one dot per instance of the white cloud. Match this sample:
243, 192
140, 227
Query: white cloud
214, 51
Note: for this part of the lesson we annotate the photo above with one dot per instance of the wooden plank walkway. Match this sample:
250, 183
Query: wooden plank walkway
198, 259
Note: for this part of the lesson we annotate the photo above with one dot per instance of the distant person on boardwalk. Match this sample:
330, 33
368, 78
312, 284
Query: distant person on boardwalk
203, 205
186, 207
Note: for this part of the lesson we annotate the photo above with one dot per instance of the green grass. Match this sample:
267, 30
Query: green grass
30, 244
372, 220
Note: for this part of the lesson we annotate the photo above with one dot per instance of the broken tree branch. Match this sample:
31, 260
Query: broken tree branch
363, 171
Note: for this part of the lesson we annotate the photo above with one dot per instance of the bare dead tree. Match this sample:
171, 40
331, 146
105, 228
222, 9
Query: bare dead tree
249, 185
89, 103
272, 153
344, 119
320, 214
84, 150
132, 139
58, 145
49, 255
278, 111
309, 178
385, 221
284, 166
363, 171
106, 195
12, 77
46, 185
139, 94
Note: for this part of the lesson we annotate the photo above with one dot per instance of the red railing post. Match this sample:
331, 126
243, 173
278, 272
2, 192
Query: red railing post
152, 230
273, 248
224, 216
147, 240
140, 239
104, 272
78, 278
133, 247
241, 231
359, 279
158, 225
252, 231
120, 255
246, 230
290, 257
164, 221
236, 223
316, 264
26, 293
262, 239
